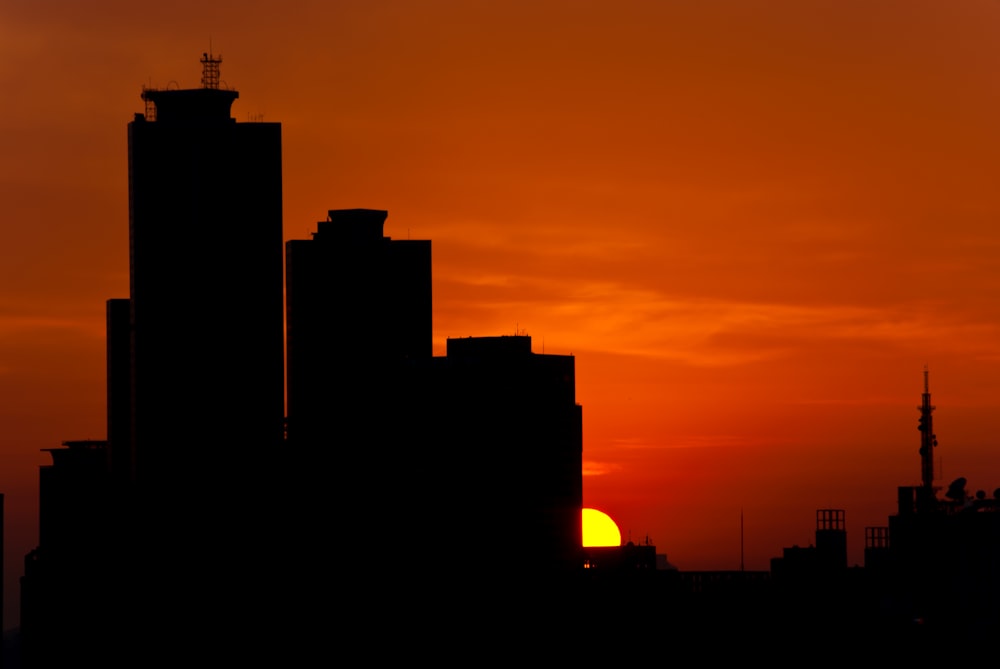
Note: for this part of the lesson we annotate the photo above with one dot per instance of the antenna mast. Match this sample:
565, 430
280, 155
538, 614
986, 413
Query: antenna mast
210, 70
928, 441
741, 540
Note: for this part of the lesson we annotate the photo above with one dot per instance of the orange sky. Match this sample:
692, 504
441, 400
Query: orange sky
752, 223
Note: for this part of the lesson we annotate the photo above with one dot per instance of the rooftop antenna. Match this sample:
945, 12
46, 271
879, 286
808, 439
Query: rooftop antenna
150, 111
741, 540
210, 69
928, 440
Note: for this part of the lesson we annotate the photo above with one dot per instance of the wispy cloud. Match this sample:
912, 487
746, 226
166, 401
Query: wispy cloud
595, 468
14, 325
613, 317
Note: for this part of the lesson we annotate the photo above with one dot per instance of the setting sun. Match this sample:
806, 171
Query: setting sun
599, 529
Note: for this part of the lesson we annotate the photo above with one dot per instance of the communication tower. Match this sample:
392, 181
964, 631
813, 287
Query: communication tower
928, 441
210, 70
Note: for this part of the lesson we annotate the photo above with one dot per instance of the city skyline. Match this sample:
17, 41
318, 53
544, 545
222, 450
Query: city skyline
209, 509
752, 229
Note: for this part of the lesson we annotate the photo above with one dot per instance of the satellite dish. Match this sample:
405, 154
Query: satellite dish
956, 490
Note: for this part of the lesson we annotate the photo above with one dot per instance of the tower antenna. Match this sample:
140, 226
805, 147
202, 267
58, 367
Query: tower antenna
742, 568
928, 440
210, 69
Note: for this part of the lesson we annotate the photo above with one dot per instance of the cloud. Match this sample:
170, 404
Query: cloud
594, 468
614, 317
16, 326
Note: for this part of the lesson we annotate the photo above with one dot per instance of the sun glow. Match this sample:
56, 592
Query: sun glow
599, 529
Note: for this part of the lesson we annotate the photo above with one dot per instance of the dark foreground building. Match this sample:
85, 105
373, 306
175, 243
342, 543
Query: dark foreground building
358, 308
207, 401
195, 396
205, 237
931, 578
937, 562
510, 417
468, 464
65, 595
410, 492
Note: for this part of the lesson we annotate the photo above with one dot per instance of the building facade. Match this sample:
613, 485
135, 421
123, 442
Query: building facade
205, 238
207, 361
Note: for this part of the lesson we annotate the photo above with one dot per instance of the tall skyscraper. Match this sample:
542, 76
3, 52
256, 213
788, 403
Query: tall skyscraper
207, 356
205, 235
359, 350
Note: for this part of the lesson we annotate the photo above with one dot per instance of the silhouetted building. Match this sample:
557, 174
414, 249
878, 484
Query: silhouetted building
510, 418
208, 523
358, 307
358, 318
820, 566
72, 589
486, 480
876, 548
205, 236
173, 523
939, 559
207, 358
470, 462
73, 579
935, 566
67, 589
944, 560
831, 539
119, 390
628, 557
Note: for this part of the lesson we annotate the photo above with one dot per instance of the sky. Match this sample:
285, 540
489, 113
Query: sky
753, 225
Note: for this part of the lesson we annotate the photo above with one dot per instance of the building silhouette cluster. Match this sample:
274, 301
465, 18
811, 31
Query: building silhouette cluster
929, 587
286, 459
208, 513
935, 565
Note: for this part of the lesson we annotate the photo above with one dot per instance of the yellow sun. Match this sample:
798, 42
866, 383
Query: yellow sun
599, 529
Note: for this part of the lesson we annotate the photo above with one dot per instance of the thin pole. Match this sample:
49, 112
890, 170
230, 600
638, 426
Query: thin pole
741, 539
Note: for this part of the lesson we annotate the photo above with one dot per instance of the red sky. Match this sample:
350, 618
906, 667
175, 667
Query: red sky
752, 223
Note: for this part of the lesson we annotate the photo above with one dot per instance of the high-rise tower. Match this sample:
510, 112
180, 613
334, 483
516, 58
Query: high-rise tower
205, 238
207, 359
359, 351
